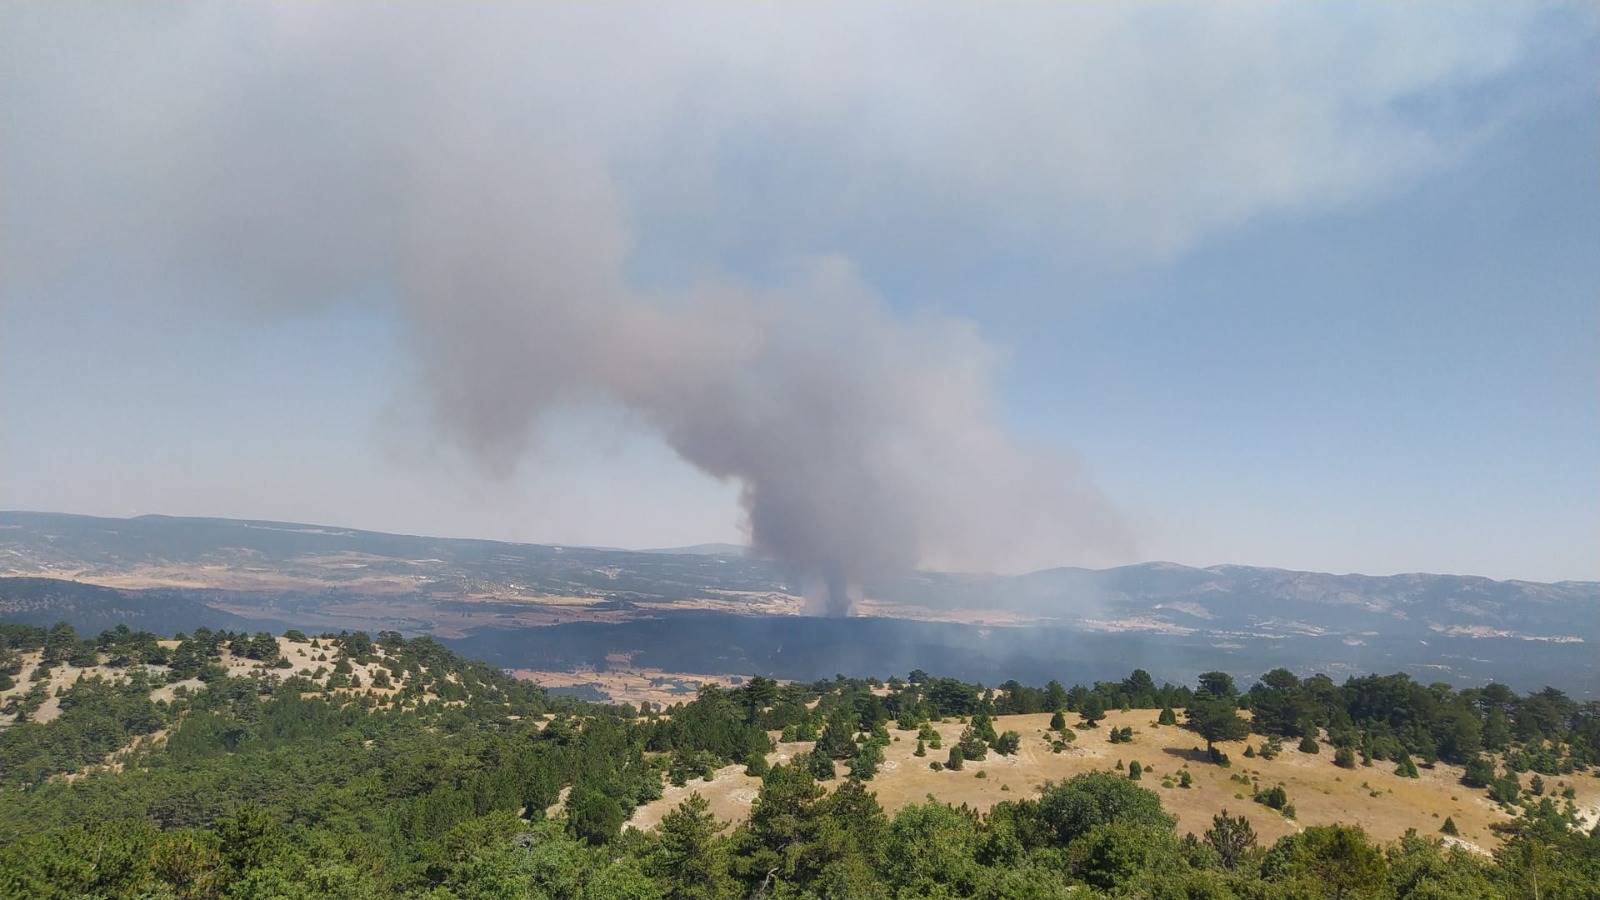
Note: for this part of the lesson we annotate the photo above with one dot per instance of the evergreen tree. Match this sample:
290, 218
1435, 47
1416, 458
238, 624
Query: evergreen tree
972, 745
1008, 743
1092, 710
1216, 719
837, 740
756, 765
1231, 836
1406, 768
865, 763
820, 766
688, 857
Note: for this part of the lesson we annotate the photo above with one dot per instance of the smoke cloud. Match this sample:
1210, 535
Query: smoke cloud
496, 174
864, 442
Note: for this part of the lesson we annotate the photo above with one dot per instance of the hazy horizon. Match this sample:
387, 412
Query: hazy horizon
345, 526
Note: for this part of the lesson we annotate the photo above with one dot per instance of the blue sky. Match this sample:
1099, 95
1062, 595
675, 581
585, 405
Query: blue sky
1315, 289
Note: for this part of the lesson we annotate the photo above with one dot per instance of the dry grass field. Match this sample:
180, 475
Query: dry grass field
1375, 798
630, 685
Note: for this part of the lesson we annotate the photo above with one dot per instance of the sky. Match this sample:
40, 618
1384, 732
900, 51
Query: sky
1310, 286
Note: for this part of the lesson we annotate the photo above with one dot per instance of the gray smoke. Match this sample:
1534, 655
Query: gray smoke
864, 442
300, 156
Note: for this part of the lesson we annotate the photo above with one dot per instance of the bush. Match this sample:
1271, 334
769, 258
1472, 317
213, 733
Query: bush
956, 759
1008, 743
1184, 778
1505, 789
1308, 744
1344, 758
922, 749
1167, 717
1274, 797
756, 766
1135, 771
1406, 768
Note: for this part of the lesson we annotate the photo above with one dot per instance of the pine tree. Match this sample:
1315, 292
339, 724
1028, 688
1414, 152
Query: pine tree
1093, 710
836, 741
1449, 827
1008, 743
1135, 771
972, 745
688, 855
1406, 768
820, 765
756, 766
1231, 836
921, 749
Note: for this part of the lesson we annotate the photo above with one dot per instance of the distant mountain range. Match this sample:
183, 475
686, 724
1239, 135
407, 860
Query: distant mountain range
1460, 627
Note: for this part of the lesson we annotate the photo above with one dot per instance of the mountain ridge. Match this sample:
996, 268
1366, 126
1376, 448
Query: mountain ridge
12, 518
586, 606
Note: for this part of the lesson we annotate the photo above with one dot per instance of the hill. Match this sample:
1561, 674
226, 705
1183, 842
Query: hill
220, 764
703, 610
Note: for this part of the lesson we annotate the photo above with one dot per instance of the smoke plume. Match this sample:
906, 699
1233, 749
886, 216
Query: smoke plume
864, 442
485, 189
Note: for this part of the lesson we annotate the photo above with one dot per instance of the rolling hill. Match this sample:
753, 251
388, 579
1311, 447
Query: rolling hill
720, 608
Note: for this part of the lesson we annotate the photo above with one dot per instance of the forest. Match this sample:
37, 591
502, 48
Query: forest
435, 776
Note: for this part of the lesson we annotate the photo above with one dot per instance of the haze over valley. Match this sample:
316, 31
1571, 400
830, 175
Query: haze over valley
723, 609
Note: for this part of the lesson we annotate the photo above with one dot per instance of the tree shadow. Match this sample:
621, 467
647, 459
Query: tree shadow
1198, 754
